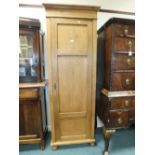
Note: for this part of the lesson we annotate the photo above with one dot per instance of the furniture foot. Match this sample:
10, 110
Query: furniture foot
105, 153
93, 144
107, 134
42, 145
54, 147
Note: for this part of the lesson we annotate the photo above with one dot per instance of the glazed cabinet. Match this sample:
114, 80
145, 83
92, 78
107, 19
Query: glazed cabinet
71, 35
32, 108
116, 75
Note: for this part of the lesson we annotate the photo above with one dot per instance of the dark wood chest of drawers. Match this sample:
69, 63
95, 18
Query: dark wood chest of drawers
116, 79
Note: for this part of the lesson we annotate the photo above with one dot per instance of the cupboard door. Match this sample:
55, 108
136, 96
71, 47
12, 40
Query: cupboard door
72, 70
29, 59
29, 120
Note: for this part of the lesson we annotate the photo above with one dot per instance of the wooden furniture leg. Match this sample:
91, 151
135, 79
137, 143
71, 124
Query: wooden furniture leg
42, 145
107, 134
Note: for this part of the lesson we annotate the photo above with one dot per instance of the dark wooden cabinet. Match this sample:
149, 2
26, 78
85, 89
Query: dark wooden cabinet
116, 75
32, 108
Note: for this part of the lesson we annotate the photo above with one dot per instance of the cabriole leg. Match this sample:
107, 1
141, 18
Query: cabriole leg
107, 134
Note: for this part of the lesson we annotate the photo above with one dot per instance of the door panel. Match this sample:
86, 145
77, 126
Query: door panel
29, 122
29, 69
73, 82
72, 65
72, 37
73, 127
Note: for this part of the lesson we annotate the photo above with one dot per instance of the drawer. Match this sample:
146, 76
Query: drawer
122, 102
123, 81
123, 62
119, 118
124, 44
132, 115
28, 93
124, 30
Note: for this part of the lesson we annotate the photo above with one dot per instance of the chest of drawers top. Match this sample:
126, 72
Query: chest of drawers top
121, 26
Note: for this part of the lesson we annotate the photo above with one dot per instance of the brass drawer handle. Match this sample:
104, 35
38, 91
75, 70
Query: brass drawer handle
130, 45
126, 30
119, 120
119, 113
126, 103
127, 81
128, 61
130, 53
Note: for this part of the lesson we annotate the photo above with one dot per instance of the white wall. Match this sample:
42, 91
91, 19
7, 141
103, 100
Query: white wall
121, 5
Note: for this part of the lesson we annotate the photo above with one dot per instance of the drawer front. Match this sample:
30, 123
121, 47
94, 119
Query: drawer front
28, 93
124, 30
119, 118
123, 81
132, 115
122, 102
123, 62
124, 44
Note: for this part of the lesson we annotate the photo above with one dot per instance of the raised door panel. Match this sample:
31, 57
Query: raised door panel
73, 83
29, 121
72, 37
73, 128
72, 65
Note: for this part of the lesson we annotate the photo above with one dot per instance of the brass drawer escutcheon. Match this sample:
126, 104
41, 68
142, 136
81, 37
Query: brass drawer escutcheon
119, 120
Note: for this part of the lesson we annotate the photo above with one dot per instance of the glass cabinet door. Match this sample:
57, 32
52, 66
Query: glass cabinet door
28, 58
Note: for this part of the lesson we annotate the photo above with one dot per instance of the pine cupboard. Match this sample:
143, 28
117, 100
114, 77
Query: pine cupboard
71, 39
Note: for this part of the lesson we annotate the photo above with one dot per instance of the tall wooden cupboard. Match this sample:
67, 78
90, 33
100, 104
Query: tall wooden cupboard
71, 36
32, 108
